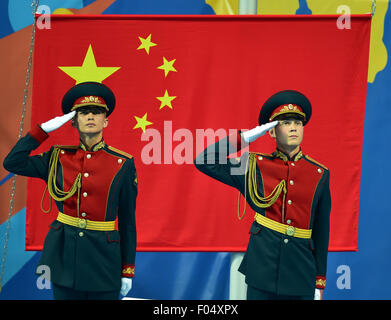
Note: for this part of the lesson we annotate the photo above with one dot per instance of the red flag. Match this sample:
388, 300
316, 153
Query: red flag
177, 76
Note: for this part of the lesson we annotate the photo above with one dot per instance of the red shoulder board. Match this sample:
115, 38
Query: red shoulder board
122, 153
316, 162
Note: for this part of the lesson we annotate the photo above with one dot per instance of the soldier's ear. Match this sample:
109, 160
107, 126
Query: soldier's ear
106, 122
272, 132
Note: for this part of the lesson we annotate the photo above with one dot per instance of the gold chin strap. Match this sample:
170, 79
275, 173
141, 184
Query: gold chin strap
250, 182
58, 194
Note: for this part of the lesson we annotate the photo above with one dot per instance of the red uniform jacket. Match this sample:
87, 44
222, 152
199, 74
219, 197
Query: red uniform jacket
276, 262
87, 260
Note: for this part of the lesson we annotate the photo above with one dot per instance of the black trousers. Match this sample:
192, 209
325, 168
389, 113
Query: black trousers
258, 294
64, 293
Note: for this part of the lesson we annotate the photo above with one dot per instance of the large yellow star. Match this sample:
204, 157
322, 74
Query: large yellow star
146, 43
142, 122
89, 71
167, 66
166, 100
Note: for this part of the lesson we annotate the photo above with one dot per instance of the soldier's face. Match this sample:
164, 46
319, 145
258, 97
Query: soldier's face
288, 133
90, 120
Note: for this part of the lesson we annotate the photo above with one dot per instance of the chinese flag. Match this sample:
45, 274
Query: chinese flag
178, 79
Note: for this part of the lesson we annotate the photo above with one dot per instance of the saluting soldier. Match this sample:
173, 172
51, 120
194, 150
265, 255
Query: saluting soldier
92, 184
286, 257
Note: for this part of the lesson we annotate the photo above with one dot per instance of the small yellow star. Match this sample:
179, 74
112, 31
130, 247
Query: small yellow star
142, 122
146, 43
167, 66
166, 100
89, 71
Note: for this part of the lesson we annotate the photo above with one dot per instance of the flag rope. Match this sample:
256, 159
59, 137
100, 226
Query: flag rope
34, 5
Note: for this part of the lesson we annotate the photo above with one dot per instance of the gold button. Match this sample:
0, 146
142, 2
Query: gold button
260, 158
62, 151
320, 170
86, 175
82, 223
290, 231
292, 164
83, 214
291, 182
119, 160
88, 156
286, 240
289, 201
85, 194
288, 221
81, 234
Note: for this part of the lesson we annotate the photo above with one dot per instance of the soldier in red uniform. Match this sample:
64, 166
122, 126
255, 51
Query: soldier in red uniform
286, 257
92, 184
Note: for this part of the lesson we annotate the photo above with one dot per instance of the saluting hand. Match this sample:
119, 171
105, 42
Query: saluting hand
57, 122
258, 131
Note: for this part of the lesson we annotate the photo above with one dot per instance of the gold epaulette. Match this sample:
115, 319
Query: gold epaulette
123, 153
238, 159
65, 147
316, 162
262, 154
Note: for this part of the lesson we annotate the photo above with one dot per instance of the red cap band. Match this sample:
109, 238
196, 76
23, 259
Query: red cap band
90, 101
287, 108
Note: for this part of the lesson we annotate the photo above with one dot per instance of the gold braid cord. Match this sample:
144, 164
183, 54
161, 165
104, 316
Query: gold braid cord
57, 194
250, 183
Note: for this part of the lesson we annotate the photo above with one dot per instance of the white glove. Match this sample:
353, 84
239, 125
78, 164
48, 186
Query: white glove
254, 134
318, 294
126, 285
57, 122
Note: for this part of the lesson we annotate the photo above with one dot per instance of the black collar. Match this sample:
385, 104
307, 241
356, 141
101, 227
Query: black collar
95, 147
282, 155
